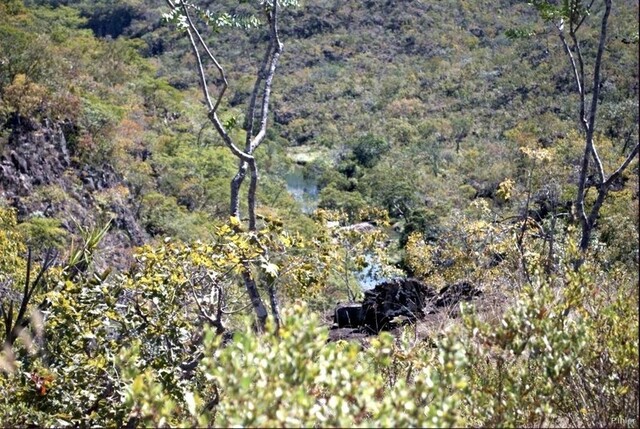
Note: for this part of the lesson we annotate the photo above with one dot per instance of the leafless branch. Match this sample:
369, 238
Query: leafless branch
223, 76
201, 72
579, 72
203, 312
584, 16
213, 117
251, 109
276, 47
597, 68
576, 75
625, 164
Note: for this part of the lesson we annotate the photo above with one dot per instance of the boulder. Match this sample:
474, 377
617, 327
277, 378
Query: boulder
396, 302
348, 315
394, 299
451, 295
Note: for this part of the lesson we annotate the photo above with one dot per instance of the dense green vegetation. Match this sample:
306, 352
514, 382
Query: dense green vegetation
452, 126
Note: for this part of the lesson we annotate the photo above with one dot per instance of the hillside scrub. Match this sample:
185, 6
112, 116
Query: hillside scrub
445, 143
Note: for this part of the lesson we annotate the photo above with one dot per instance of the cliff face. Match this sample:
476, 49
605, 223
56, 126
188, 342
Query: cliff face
40, 178
35, 155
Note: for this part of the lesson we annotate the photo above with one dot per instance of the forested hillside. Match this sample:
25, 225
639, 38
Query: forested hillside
481, 156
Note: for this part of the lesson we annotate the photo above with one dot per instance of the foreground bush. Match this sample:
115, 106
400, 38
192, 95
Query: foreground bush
140, 350
557, 357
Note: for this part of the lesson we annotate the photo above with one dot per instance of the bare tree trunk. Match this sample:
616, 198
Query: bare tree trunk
582, 181
254, 295
251, 197
236, 183
255, 133
576, 17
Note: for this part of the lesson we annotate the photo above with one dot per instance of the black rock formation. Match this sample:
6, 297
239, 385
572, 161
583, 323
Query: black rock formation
398, 298
396, 302
348, 315
451, 295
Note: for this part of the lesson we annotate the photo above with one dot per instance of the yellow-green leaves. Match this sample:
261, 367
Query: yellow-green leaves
299, 379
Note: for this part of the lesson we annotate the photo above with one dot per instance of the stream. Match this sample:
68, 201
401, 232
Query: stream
305, 191
370, 275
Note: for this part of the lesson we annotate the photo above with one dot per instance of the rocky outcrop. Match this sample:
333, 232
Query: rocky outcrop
399, 298
39, 177
451, 295
397, 302
348, 315
34, 156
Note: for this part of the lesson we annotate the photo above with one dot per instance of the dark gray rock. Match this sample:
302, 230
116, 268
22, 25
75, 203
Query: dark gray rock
398, 298
451, 295
478, 32
397, 302
36, 155
348, 315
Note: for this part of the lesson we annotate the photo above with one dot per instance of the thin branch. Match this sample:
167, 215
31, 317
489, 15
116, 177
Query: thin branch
576, 75
203, 312
584, 16
203, 77
580, 72
597, 68
277, 50
211, 56
597, 162
625, 164
251, 109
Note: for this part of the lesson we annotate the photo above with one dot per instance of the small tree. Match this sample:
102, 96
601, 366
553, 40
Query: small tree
568, 17
257, 112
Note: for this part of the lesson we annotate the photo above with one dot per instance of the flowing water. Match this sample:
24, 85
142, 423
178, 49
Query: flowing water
370, 275
305, 191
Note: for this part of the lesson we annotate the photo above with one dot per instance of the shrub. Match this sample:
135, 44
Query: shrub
369, 149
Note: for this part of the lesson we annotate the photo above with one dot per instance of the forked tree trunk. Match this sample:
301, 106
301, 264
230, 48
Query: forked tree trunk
255, 133
576, 17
